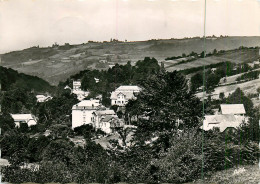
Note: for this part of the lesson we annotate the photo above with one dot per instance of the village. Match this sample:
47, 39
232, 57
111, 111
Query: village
92, 112
129, 91
89, 111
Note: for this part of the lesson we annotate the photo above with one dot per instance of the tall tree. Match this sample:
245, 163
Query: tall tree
164, 106
238, 97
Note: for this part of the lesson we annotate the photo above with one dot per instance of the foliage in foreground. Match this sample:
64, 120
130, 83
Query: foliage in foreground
163, 150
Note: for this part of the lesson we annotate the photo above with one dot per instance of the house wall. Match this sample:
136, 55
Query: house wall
31, 122
95, 120
81, 117
105, 126
120, 101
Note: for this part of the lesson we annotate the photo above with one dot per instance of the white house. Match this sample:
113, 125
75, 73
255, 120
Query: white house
106, 120
122, 94
82, 112
29, 119
109, 123
78, 91
43, 98
222, 122
77, 85
99, 114
231, 116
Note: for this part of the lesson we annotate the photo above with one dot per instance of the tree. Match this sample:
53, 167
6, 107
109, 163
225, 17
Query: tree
258, 90
221, 96
238, 97
24, 127
196, 81
211, 81
60, 131
59, 150
164, 106
6, 123
202, 54
56, 110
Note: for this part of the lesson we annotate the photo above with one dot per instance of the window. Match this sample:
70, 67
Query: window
84, 119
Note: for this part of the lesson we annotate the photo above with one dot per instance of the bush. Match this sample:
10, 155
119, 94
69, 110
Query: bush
182, 162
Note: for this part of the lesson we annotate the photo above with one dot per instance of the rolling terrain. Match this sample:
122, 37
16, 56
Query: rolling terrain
57, 63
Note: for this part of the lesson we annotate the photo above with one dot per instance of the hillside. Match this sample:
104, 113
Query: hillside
56, 63
10, 77
248, 174
235, 56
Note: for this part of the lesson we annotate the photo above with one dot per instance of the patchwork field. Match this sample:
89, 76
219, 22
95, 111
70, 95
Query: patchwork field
249, 87
56, 63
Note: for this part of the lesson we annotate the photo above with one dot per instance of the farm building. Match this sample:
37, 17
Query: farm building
222, 122
232, 116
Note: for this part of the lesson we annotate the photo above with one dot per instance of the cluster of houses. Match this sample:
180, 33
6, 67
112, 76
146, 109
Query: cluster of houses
92, 112
89, 111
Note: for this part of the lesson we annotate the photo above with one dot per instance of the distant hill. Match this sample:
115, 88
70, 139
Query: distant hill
56, 63
10, 78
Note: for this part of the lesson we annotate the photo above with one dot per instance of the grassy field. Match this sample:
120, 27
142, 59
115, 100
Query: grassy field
249, 174
196, 63
241, 175
249, 87
234, 56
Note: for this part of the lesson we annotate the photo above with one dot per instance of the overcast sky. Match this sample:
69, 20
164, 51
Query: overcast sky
26, 23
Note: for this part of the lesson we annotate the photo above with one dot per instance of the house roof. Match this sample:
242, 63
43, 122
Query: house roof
40, 96
222, 121
232, 109
43, 96
87, 104
105, 112
113, 120
107, 118
22, 117
128, 88
4, 162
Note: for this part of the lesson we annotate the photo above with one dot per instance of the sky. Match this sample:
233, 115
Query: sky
27, 23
